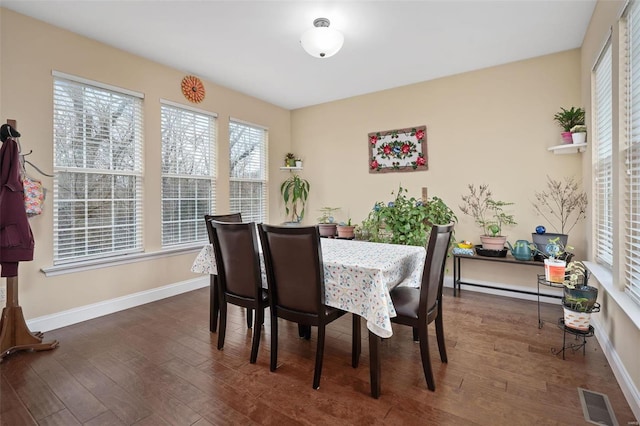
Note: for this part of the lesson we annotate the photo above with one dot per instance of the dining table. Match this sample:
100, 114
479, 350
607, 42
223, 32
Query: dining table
358, 276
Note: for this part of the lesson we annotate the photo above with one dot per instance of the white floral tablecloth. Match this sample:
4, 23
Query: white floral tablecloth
358, 276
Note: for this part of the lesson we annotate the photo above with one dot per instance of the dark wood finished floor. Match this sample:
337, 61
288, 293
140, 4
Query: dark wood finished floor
158, 364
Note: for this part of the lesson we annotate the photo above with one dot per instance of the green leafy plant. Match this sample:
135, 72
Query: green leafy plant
488, 213
295, 192
406, 220
567, 118
562, 203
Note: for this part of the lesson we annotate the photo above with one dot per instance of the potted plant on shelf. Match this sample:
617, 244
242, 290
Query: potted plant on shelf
290, 160
579, 133
346, 230
489, 214
406, 220
579, 300
295, 192
563, 205
326, 223
567, 118
555, 257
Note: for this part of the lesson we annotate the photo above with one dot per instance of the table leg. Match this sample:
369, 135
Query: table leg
374, 364
539, 320
456, 275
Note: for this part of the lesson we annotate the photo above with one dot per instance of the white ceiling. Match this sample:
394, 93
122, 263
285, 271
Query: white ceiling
253, 46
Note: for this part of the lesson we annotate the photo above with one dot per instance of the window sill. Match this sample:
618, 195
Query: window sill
88, 265
605, 278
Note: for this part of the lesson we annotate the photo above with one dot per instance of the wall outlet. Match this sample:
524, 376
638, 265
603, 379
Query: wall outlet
3, 295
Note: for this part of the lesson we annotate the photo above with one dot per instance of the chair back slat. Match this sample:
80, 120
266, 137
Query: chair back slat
293, 260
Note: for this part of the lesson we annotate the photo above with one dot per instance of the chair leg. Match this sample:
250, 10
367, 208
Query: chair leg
426, 361
416, 335
319, 354
440, 336
374, 364
355, 341
249, 317
214, 307
223, 324
257, 331
274, 343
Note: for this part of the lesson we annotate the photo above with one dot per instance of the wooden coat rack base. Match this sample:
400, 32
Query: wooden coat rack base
14, 333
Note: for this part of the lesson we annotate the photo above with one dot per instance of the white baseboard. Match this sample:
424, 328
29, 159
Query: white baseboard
106, 307
508, 290
627, 386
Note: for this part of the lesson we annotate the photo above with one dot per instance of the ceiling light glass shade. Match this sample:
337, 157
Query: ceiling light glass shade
322, 41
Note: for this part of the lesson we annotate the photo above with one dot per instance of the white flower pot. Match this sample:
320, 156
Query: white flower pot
554, 270
579, 137
576, 320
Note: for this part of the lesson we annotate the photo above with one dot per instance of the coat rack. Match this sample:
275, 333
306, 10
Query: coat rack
14, 333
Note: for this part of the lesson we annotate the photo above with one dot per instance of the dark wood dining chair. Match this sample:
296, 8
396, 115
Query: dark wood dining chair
239, 275
214, 306
295, 277
418, 307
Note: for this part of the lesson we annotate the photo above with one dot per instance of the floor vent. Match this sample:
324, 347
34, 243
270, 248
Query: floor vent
596, 408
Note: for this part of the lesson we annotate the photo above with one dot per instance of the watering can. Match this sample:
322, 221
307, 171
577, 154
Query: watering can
521, 250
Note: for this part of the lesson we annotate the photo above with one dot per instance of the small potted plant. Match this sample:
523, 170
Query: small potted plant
290, 160
326, 223
579, 133
555, 257
346, 230
567, 118
295, 192
489, 214
579, 300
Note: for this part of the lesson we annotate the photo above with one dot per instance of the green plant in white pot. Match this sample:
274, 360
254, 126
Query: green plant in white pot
579, 300
489, 214
295, 192
579, 133
567, 118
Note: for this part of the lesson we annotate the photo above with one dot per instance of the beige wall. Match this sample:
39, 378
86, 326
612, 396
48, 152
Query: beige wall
623, 334
30, 50
490, 126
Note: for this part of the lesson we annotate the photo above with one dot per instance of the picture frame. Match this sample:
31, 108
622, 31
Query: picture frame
398, 150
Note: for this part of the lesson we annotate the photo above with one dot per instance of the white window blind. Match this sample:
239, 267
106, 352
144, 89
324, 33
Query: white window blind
248, 176
188, 174
603, 164
97, 195
632, 157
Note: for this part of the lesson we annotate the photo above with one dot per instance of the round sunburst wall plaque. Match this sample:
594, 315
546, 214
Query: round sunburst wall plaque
193, 89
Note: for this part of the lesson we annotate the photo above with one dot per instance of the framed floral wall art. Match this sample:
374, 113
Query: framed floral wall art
401, 150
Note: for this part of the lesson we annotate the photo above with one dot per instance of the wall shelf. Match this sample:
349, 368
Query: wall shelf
568, 148
290, 168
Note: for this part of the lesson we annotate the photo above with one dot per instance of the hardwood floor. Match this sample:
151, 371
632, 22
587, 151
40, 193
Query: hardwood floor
158, 364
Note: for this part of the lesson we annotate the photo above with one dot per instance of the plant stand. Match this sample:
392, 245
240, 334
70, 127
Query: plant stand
542, 280
580, 337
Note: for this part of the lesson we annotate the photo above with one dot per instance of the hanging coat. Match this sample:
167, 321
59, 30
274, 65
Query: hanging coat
16, 238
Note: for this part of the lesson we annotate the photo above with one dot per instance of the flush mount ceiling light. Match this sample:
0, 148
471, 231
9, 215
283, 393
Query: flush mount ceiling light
322, 41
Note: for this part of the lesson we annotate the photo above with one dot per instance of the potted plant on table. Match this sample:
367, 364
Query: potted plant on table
579, 300
567, 118
326, 223
406, 220
290, 159
563, 205
295, 192
489, 214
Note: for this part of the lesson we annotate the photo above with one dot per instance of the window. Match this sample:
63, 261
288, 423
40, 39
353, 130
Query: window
632, 157
188, 178
97, 195
247, 165
603, 164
